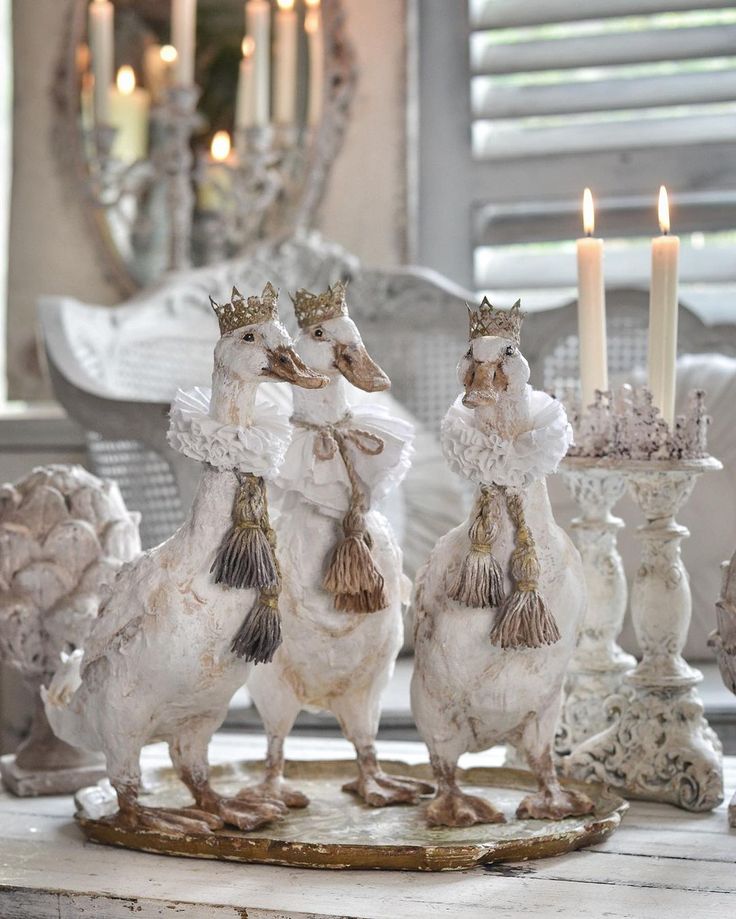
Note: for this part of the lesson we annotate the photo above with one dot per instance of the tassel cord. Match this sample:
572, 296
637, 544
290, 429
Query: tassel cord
352, 576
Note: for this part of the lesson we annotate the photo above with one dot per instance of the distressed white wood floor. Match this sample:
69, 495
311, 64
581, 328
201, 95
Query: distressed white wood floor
662, 862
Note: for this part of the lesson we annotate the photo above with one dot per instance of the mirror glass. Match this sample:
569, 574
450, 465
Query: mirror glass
191, 153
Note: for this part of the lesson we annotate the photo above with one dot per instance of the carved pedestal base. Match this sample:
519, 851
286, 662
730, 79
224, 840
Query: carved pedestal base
598, 665
660, 746
45, 765
26, 783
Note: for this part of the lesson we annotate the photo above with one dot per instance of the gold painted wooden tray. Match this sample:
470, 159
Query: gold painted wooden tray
339, 831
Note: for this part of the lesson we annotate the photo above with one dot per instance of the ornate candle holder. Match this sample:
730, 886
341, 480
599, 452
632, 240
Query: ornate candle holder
658, 745
176, 162
599, 664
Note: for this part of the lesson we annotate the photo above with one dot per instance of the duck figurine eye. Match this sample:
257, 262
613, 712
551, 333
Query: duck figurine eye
319, 333
249, 336
510, 351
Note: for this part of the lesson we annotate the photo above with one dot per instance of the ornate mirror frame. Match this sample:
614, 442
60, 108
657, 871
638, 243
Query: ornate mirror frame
340, 76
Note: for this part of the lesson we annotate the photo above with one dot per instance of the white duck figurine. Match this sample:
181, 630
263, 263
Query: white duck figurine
175, 640
500, 600
342, 568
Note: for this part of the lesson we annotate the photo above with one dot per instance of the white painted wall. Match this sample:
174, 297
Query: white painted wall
50, 250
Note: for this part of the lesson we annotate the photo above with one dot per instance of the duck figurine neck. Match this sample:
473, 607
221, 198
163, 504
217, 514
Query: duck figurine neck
328, 406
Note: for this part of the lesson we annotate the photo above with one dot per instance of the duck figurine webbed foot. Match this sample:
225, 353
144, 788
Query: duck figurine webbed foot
500, 601
188, 620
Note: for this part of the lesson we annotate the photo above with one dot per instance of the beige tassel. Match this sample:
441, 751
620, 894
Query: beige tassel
479, 582
352, 575
524, 621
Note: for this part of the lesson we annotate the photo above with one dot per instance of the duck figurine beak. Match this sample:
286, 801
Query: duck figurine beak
358, 367
484, 382
285, 364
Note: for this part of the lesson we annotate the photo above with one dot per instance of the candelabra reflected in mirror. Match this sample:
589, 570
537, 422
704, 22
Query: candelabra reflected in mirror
201, 147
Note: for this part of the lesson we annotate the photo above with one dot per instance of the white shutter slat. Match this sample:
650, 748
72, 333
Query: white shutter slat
491, 100
610, 173
490, 142
504, 14
509, 224
603, 50
627, 266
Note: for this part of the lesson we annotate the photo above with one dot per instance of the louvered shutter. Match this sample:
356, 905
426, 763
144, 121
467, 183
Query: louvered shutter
621, 95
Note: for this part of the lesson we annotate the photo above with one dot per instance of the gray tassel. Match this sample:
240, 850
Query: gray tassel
259, 636
245, 559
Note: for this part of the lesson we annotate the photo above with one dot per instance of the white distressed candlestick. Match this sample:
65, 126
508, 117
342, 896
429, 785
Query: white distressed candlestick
663, 309
660, 747
102, 48
591, 308
598, 665
258, 27
183, 32
316, 51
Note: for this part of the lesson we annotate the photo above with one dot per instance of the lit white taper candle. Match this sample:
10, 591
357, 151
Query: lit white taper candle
316, 51
591, 308
663, 310
102, 48
129, 107
183, 38
284, 103
258, 27
245, 102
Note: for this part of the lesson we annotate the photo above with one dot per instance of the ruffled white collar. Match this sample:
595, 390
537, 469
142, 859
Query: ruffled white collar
259, 448
485, 456
322, 479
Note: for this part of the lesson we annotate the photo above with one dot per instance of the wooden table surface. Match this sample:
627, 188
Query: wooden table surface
661, 862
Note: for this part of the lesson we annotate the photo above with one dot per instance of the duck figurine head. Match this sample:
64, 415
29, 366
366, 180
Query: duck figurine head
493, 366
255, 347
330, 342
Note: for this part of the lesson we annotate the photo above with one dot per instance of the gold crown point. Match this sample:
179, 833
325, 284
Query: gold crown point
240, 312
487, 320
311, 309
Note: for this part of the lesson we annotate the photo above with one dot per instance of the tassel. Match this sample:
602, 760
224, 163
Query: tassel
246, 556
259, 636
245, 559
479, 582
524, 621
352, 575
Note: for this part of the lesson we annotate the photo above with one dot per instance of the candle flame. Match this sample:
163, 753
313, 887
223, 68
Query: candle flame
125, 80
221, 145
285, 4
311, 21
663, 210
168, 54
588, 213
249, 46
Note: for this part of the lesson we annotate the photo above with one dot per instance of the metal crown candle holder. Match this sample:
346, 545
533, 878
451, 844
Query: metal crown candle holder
657, 744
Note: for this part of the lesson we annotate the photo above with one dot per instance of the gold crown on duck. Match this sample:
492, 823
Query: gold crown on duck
251, 311
311, 309
487, 320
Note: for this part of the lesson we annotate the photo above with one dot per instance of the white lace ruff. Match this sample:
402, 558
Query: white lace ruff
483, 456
324, 482
259, 448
